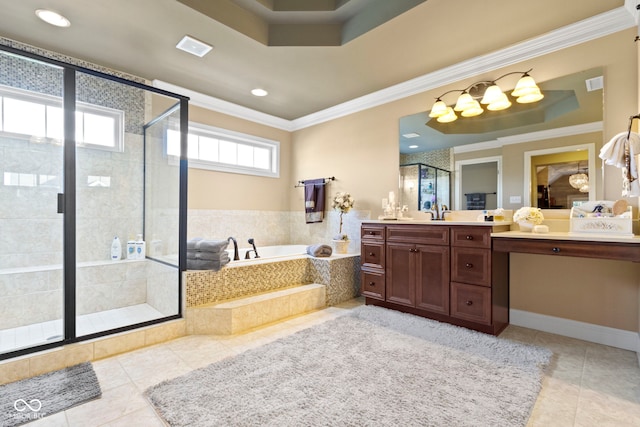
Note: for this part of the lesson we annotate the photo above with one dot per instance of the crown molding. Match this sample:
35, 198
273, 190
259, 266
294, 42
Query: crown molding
601, 25
531, 136
225, 107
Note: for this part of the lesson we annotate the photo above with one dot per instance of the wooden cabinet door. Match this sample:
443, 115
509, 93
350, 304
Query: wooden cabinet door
432, 278
400, 287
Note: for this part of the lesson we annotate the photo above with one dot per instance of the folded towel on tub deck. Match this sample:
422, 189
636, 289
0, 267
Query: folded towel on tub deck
205, 264
319, 250
208, 256
200, 244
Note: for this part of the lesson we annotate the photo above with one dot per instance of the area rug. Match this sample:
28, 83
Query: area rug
34, 398
372, 367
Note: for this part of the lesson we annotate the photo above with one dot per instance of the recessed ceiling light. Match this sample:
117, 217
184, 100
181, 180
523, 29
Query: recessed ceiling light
259, 92
53, 18
411, 135
194, 46
413, 146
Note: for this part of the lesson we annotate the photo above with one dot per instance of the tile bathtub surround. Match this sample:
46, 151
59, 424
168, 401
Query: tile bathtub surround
339, 273
586, 385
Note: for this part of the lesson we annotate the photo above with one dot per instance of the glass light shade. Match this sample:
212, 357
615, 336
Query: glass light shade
578, 180
492, 94
529, 98
449, 117
525, 86
474, 109
464, 101
584, 188
501, 103
439, 109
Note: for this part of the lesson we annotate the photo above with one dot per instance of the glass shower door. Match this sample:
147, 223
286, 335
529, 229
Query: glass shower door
31, 185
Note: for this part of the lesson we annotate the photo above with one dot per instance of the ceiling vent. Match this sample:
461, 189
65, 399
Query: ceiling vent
193, 46
595, 83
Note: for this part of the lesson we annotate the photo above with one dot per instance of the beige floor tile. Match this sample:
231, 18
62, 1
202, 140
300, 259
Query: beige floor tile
110, 374
602, 409
556, 405
145, 417
55, 420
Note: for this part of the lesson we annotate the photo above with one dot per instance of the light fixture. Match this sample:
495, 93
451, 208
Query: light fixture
259, 92
526, 91
53, 18
194, 46
579, 180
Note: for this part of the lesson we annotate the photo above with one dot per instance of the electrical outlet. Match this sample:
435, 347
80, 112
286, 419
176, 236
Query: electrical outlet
515, 199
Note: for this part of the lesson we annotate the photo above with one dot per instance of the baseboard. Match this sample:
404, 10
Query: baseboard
605, 335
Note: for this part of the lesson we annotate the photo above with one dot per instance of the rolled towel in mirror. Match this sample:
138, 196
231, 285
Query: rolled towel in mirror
319, 250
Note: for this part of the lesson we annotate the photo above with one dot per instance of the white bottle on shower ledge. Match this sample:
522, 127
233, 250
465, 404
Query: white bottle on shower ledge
116, 249
140, 248
131, 249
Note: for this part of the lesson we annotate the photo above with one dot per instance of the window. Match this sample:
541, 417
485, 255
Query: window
32, 114
227, 151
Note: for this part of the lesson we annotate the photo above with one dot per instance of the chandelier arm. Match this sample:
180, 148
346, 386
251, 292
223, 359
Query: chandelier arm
514, 72
449, 91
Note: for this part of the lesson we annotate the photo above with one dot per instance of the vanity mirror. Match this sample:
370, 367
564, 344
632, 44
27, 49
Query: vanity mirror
486, 154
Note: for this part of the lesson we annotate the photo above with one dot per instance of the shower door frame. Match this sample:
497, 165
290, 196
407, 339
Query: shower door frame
67, 201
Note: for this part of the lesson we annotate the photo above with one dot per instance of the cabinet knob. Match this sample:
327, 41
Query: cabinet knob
555, 250
469, 302
469, 237
372, 254
372, 283
468, 265
372, 233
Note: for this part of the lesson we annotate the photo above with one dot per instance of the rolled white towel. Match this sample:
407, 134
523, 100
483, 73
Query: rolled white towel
319, 250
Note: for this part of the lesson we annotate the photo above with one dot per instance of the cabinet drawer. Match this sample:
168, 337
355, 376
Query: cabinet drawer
473, 237
372, 232
470, 302
372, 254
470, 265
424, 234
372, 284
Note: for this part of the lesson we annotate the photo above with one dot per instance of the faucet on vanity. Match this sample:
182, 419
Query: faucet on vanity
236, 256
248, 253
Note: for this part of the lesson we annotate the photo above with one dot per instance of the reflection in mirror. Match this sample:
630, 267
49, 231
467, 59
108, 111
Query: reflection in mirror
560, 178
572, 106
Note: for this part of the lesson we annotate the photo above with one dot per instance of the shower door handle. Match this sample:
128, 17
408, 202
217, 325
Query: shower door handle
60, 203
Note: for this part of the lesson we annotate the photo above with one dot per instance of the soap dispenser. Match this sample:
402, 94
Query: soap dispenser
140, 248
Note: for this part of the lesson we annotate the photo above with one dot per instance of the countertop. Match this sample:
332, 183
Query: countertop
585, 237
436, 222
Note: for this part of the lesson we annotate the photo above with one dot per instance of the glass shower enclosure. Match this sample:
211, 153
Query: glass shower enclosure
85, 177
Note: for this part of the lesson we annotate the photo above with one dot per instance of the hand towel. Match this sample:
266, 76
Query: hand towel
319, 250
621, 153
314, 200
201, 244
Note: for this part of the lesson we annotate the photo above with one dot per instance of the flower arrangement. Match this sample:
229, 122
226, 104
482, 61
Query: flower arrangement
528, 214
342, 202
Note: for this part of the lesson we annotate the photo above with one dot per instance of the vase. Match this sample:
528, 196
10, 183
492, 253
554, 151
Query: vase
525, 226
340, 246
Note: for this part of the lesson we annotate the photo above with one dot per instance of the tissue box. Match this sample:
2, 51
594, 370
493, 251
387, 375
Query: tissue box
597, 217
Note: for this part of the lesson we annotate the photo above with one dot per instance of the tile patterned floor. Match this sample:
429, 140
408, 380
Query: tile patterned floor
39, 333
586, 385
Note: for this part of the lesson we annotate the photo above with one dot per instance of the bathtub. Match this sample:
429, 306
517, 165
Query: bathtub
268, 254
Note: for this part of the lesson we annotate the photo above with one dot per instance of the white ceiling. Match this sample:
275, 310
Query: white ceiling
139, 37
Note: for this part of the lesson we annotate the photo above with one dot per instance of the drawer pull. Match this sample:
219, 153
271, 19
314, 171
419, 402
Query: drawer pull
372, 254
469, 237
372, 233
372, 283
555, 250
469, 302
468, 265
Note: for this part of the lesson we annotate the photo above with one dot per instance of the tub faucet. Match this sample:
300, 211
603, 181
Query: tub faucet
254, 250
236, 256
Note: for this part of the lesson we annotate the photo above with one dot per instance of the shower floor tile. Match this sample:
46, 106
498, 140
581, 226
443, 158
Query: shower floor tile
41, 333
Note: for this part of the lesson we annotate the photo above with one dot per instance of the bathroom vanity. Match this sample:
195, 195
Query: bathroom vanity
443, 270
